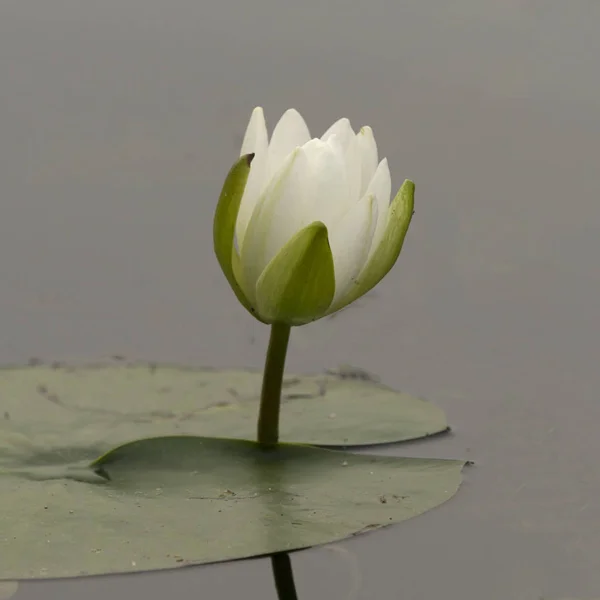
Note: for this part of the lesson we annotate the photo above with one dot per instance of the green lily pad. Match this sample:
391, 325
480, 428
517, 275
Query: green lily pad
106, 405
179, 500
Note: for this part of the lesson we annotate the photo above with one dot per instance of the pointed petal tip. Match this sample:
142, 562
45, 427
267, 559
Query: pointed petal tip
292, 115
249, 158
257, 114
344, 122
255, 138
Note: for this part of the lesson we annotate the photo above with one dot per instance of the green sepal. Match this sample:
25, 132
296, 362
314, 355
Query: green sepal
298, 285
383, 259
224, 226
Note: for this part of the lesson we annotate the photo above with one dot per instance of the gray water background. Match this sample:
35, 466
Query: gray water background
118, 121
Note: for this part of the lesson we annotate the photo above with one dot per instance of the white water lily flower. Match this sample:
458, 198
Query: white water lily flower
305, 226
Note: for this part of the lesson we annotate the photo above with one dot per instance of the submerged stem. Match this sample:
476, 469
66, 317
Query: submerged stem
284, 576
270, 398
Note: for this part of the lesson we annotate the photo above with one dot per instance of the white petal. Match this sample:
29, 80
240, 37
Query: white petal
343, 130
350, 241
337, 147
381, 187
255, 141
279, 214
256, 132
289, 133
327, 191
369, 157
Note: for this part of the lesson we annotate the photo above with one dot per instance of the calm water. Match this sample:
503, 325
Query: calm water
118, 121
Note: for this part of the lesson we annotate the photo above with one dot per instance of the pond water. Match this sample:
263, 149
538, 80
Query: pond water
118, 121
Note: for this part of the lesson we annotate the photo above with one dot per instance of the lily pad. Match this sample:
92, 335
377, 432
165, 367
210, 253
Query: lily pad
179, 500
106, 405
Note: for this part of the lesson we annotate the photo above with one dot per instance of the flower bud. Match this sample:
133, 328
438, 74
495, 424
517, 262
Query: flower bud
305, 226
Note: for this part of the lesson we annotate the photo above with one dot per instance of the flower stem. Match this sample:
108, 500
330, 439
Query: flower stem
270, 398
284, 576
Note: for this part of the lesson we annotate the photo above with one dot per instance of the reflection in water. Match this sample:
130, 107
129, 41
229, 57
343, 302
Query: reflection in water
9, 588
283, 576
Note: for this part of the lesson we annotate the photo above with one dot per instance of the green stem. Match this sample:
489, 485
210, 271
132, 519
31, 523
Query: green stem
270, 398
284, 576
